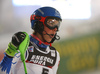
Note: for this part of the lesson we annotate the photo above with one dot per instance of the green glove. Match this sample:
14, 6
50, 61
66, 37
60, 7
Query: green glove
11, 50
20, 41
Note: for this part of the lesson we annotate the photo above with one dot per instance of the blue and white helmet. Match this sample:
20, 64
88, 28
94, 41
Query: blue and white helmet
44, 12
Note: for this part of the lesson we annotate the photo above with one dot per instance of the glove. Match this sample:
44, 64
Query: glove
20, 41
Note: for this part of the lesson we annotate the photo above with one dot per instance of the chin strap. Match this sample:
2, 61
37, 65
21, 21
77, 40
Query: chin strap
56, 37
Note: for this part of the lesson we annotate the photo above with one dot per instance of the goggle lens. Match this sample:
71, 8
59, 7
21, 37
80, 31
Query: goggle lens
52, 23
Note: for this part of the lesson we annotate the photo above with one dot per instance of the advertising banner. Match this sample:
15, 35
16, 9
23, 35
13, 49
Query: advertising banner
79, 54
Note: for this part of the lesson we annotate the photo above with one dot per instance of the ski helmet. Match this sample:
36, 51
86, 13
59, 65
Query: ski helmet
41, 15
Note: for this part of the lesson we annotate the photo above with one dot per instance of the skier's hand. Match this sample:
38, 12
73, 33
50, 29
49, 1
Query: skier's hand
20, 41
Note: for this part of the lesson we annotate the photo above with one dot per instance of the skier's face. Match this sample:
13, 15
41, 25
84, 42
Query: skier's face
48, 34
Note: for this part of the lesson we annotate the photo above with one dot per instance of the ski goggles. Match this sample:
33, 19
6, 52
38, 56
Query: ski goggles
50, 22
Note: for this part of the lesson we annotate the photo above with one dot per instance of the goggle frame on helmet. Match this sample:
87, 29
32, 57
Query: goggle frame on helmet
55, 22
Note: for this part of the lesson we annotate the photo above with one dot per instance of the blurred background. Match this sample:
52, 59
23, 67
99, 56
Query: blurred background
79, 46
